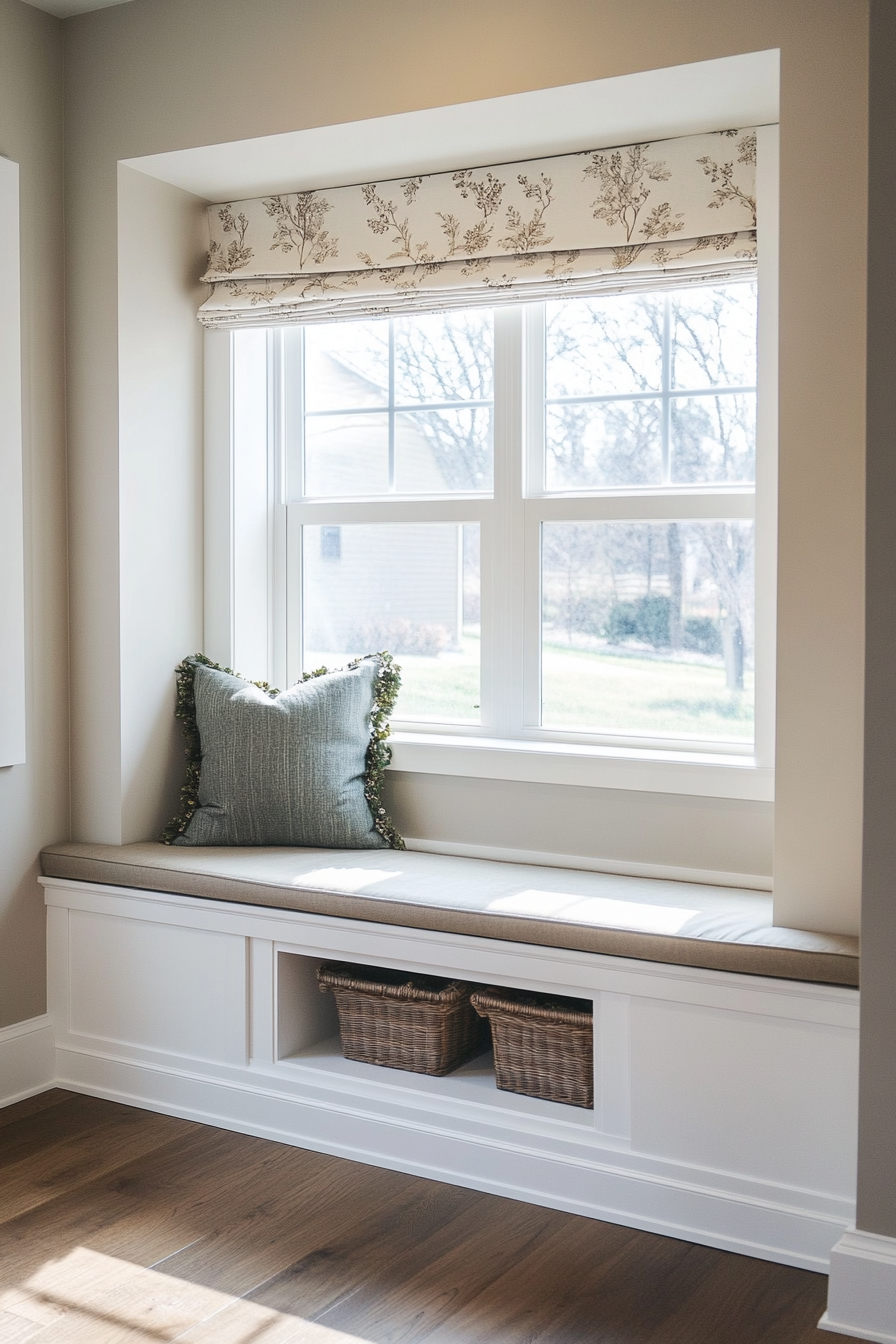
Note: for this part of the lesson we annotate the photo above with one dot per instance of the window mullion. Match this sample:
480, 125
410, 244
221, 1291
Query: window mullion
503, 598
667, 387
533, 397
277, 495
391, 404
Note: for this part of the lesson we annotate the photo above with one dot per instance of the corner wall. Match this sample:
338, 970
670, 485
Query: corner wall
34, 796
876, 1211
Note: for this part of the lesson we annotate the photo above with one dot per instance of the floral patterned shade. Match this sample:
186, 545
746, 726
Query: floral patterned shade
606, 219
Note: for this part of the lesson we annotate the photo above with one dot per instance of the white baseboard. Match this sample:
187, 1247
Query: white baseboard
667, 1198
27, 1059
862, 1288
615, 867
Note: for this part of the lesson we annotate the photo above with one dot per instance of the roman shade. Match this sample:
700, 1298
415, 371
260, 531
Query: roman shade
668, 212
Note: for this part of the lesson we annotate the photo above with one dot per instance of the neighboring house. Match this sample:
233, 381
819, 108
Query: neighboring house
377, 586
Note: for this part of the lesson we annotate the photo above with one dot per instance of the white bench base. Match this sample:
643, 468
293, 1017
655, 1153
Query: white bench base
725, 1104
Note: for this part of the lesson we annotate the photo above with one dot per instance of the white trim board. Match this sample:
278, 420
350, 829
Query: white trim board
657, 771
862, 1288
27, 1059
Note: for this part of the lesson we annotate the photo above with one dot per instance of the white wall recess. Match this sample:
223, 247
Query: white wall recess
12, 575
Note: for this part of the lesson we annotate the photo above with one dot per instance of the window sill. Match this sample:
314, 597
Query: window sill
703, 774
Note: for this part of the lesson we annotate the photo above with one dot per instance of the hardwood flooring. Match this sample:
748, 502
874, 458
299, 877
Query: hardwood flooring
118, 1226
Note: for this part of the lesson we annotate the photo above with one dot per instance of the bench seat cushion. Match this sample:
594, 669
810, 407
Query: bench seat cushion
683, 923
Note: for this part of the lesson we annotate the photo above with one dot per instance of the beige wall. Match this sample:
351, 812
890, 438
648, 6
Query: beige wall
161, 239
34, 796
161, 75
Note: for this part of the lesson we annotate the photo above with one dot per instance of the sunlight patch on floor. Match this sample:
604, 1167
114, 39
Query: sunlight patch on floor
91, 1298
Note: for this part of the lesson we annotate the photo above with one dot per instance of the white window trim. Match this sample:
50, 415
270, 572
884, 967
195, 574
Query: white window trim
252, 538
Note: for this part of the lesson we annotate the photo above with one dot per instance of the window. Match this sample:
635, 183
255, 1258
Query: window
545, 511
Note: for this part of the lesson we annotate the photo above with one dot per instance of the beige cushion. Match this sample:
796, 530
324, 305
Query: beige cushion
679, 922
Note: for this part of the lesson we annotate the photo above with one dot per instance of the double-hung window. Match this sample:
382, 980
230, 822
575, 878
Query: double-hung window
543, 511
504, 423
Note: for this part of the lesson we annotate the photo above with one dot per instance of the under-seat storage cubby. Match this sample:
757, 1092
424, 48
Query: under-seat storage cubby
309, 1035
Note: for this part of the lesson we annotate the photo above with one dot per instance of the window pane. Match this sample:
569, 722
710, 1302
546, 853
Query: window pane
444, 357
347, 454
714, 438
597, 445
439, 451
346, 365
599, 346
409, 588
648, 628
714, 337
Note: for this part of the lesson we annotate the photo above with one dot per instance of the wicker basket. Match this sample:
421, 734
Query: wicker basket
543, 1045
419, 1023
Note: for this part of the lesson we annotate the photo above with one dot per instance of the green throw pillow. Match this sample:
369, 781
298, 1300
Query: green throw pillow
297, 767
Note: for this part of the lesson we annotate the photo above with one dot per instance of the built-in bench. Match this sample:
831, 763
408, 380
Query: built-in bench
680, 923
725, 1049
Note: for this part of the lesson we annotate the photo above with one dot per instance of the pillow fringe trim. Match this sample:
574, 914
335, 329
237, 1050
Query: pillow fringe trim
385, 692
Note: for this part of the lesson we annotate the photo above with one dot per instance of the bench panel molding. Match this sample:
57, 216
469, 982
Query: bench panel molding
258, 1055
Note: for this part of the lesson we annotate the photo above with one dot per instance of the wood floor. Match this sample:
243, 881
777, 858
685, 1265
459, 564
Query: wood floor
120, 1225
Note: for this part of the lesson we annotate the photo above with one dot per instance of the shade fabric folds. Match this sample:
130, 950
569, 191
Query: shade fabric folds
668, 212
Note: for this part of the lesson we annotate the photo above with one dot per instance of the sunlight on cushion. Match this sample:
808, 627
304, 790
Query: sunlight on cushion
342, 879
107, 1299
595, 910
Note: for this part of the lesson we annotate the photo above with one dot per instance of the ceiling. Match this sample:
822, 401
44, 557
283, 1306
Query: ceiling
65, 8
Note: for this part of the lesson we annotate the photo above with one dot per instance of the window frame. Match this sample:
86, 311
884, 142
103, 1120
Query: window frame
510, 743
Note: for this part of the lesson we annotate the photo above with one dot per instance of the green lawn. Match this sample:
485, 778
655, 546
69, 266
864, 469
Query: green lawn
446, 687
586, 691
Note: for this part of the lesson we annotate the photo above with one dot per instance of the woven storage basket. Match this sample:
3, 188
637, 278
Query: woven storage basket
419, 1023
543, 1045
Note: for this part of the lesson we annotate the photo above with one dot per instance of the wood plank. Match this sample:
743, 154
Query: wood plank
265, 1240
324, 1251
38, 1132
161, 1303
231, 1204
441, 1272
128, 1304
770, 1303
567, 1272
15, 1330
73, 1162
41, 1101
147, 1209
115, 1302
